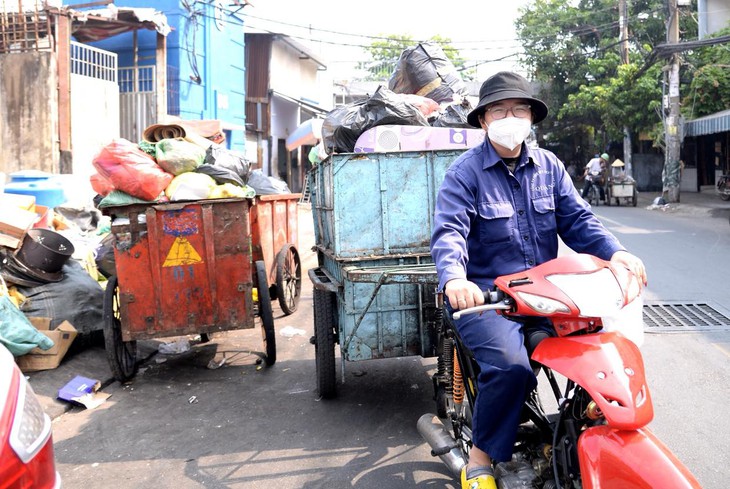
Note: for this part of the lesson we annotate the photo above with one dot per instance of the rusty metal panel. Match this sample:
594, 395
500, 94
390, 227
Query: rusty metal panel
274, 223
183, 268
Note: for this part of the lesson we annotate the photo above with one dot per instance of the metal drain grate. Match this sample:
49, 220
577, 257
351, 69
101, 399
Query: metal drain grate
681, 317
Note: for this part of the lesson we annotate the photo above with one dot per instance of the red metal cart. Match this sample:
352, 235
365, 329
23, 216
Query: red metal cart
274, 240
183, 268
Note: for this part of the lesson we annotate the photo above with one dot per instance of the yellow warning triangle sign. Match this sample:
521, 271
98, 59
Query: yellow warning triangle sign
181, 253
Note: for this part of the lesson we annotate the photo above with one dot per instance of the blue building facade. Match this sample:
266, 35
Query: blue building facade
206, 73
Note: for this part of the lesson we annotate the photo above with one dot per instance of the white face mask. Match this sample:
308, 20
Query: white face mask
509, 132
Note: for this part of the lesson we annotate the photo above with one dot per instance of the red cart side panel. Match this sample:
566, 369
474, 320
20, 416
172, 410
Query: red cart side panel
274, 223
186, 270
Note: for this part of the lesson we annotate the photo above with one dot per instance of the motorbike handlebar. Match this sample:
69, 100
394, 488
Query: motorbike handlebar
493, 300
484, 307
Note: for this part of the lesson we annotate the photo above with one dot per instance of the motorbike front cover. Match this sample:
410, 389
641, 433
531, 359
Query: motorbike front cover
609, 367
629, 459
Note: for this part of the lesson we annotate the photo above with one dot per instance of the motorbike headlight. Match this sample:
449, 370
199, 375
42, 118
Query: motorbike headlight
543, 305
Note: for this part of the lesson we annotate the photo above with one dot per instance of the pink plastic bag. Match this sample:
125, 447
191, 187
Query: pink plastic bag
131, 170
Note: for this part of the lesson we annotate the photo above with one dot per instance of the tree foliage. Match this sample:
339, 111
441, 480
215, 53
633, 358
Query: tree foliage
572, 48
709, 90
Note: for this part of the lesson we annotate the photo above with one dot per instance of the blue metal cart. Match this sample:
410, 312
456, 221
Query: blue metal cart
374, 287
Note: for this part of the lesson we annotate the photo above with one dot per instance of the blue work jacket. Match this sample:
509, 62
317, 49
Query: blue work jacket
490, 222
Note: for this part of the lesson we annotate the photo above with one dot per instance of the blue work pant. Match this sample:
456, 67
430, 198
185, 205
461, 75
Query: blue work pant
505, 380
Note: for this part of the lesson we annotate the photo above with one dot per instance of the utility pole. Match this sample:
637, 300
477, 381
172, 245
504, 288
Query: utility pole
623, 21
670, 174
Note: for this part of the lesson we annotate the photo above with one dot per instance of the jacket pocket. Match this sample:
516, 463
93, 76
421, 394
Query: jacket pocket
545, 215
495, 222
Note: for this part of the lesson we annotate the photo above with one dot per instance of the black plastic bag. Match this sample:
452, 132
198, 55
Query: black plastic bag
343, 125
266, 185
425, 70
104, 256
221, 174
454, 115
77, 298
231, 160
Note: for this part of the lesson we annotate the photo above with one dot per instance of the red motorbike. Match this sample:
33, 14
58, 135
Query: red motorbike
595, 434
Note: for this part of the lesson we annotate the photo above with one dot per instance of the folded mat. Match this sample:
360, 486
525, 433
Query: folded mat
191, 130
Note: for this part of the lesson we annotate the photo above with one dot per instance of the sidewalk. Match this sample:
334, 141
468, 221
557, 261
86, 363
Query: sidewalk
707, 203
90, 360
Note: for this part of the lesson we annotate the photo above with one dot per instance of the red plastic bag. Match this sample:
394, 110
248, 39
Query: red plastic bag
101, 185
131, 170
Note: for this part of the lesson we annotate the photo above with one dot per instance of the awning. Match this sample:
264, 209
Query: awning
95, 25
307, 134
709, 124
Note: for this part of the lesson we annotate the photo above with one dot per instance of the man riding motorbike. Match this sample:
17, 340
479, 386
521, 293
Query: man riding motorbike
500, 210
594, 173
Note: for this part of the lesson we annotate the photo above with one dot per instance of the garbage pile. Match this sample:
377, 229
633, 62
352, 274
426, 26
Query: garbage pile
50, 290
425, 90
55, 259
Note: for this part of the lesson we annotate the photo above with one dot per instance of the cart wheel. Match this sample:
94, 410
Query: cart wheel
267, 315
635, 198
608, 196
122, 355
324, 342
288, 278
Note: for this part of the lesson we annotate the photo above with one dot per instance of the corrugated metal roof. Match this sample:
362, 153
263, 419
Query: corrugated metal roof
709, 124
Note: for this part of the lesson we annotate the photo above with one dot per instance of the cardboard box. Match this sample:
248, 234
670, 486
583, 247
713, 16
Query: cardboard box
14, 222
38, 359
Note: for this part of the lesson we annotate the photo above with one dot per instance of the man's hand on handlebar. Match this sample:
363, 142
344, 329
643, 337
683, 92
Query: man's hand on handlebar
632, 263
463, 293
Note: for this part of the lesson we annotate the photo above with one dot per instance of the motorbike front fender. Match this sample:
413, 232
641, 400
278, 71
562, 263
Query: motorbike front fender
629, 459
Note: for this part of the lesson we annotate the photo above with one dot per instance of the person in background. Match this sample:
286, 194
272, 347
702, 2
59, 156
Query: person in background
596, 166
500, 210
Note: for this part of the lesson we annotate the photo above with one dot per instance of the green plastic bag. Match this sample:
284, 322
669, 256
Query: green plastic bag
16, 332
178, 156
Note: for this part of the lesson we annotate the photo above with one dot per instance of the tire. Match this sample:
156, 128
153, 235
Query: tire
288, 278
268, 333
324, 342
635, 198
121, 355
608, 196
722, 189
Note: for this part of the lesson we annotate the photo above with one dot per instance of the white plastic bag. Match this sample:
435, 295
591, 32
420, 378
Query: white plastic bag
629, 321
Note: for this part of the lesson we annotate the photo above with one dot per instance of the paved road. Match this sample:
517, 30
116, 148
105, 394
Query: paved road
180, 424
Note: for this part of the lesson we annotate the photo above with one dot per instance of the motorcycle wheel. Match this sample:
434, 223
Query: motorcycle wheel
722, 189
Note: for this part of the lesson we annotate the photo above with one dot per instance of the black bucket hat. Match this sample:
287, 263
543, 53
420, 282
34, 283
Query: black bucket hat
504, 85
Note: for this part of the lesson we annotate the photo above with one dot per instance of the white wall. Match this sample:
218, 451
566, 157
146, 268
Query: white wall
94, 123
293, 76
